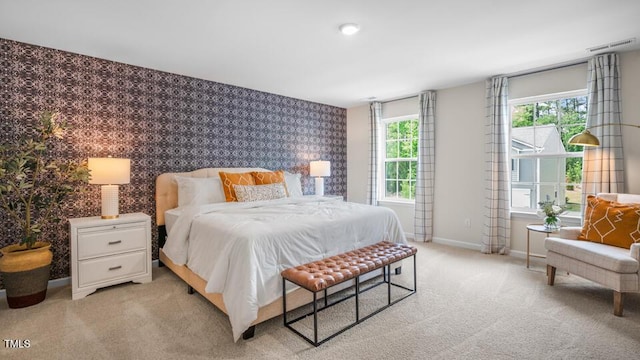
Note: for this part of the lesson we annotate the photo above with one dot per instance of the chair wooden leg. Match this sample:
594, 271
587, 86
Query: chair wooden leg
551, 275
618, 300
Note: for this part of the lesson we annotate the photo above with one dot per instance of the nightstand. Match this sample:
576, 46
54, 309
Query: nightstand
109, 252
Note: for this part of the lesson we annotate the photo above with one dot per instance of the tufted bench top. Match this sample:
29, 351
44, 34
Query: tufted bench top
321, 274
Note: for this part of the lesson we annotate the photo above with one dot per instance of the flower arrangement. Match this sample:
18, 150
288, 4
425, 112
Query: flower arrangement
550, 211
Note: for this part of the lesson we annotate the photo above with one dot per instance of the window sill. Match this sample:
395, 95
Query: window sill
564, 220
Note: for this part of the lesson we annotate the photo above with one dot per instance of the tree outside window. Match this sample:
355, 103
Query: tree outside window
544, 166
400, 157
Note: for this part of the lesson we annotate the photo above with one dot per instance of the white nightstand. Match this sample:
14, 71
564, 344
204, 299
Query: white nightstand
109, 252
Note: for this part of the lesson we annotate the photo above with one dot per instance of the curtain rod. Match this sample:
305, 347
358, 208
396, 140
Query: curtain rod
530, 72
398, 99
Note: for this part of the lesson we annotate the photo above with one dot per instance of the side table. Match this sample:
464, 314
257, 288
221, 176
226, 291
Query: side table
109, 252
537, 228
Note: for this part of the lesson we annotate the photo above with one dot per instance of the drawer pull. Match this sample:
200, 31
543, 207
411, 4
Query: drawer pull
115, 242
115, 267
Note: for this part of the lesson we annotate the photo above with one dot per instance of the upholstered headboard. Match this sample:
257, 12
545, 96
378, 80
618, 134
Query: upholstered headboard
167, 188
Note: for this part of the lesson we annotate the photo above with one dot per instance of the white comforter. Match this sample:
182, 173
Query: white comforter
241, 248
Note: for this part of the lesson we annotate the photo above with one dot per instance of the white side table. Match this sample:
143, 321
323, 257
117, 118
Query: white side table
537, 228
106, 252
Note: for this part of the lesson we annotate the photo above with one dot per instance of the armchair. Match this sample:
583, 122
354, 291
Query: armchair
614, 267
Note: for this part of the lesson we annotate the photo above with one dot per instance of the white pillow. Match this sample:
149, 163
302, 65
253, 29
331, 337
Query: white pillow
260, 192
199, 191
294, 186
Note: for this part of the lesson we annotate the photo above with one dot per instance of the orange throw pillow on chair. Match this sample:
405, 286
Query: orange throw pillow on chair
230, 179
611, 223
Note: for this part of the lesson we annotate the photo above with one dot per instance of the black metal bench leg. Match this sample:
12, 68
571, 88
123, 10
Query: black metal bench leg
388, 285
189, 290
315, 319
325, 298
415, 277
284, 301
357, 299
249, 333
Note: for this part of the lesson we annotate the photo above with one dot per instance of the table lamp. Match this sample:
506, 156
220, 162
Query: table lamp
109, 172
319, 169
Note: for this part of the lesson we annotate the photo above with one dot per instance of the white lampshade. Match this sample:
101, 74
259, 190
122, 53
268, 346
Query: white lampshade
320, 168
109, 172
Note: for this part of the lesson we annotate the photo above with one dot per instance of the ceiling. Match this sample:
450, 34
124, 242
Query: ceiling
294, 48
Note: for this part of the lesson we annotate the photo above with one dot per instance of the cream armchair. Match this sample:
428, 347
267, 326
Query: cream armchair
610, 266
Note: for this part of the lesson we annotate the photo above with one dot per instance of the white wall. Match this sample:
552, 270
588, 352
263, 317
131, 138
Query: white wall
357, 153
460, 116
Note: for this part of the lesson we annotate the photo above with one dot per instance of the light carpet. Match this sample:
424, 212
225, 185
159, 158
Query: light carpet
468, 306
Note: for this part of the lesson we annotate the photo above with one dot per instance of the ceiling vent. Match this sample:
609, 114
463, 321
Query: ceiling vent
611, 45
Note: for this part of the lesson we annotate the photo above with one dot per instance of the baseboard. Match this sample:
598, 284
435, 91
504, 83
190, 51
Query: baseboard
65, 281
449, 242
457, 243
462, 244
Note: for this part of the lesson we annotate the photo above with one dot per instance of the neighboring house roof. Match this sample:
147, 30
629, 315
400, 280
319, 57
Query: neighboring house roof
540, 139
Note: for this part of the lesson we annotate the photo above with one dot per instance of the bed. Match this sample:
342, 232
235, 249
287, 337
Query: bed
235, 251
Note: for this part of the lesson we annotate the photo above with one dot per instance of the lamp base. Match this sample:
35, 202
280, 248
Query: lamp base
320, 186
110, 201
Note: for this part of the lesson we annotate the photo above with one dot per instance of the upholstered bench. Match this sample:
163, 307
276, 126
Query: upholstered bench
321, 275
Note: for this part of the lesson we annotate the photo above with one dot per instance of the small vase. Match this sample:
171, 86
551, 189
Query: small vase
552, 223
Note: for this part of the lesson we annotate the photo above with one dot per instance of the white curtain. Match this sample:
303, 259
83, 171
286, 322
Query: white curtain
423, 221
375, 114
497, 223
603, 168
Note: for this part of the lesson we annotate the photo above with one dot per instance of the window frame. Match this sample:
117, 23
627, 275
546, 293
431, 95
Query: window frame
382, 158
511, 103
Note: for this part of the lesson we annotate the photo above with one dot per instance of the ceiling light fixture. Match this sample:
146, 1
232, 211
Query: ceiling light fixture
349, 29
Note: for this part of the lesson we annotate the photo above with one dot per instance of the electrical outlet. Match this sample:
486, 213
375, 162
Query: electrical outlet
467, 222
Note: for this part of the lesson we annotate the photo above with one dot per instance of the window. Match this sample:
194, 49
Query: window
399, 154
544, 167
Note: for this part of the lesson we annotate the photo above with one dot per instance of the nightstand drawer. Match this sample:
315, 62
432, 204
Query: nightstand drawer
111, 240
111, 267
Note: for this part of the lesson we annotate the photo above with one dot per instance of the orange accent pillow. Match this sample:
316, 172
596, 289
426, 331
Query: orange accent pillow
611, 223
267, 177
270, 177
230, 179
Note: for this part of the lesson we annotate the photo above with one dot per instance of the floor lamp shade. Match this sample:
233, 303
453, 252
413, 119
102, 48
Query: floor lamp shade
109, 172
319, 169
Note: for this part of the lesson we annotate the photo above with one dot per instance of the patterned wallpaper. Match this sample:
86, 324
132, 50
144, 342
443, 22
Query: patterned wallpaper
163, 122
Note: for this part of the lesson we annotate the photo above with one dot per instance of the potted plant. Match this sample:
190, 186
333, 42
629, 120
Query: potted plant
32, 189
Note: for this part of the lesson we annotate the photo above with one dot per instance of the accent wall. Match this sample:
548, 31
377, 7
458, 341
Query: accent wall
163, 122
